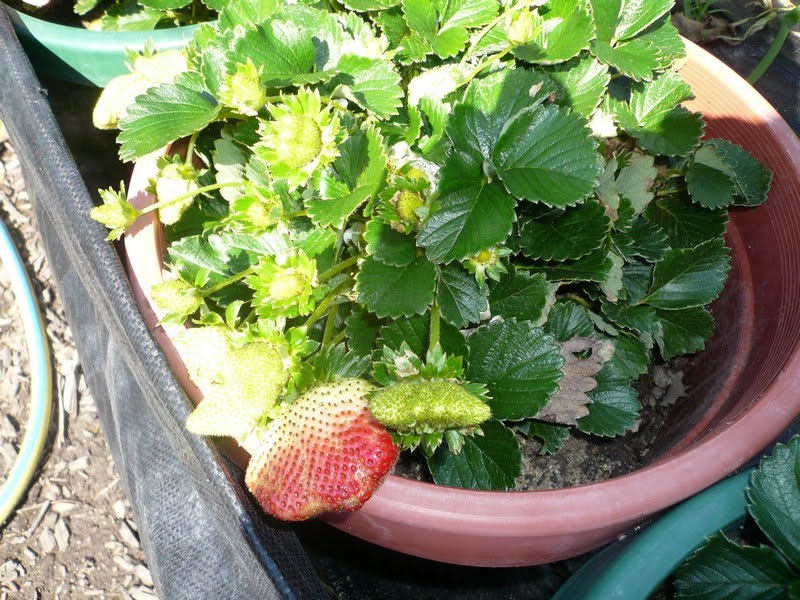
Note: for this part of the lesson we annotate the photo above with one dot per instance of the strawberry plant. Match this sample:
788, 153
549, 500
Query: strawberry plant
725, 569
428, 226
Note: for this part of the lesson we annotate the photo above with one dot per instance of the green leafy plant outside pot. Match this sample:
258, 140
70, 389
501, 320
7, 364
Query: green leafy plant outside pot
718, 568
493, 226
88, 57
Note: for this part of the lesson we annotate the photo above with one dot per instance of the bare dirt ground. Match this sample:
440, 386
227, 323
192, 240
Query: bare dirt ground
73, 536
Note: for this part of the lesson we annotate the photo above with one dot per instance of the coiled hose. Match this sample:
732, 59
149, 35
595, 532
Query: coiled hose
33, 440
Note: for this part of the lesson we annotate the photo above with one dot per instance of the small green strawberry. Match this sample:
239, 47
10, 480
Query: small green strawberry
325, 452
242, 90
428, 406
284, 285
174, 187
178, 298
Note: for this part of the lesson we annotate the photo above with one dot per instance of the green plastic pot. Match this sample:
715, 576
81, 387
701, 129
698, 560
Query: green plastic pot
633, 568
84, 56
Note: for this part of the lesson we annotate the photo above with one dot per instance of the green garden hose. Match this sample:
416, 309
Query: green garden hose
33, 440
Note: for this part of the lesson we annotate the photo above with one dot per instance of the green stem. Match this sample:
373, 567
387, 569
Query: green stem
335, 270
339, 337
481, 34
197, 192
788, 21
330, 324
435, 327
486, 63
190, 149
293, 215
226, 282
323, 306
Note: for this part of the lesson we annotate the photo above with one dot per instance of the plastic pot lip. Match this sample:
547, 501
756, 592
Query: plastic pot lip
620, 501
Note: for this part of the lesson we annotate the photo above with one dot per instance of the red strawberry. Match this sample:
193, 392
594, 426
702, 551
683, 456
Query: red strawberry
325, 452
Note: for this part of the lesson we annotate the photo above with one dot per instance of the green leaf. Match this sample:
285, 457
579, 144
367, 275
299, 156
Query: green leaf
638, 15
595, 266
637, 276
165, 113
520, 365
368, 5
229, 160
389, 246
686, 224
470, 215
684, 331
774, 496
721, 570
568, 319
246, 13
643, 320
546, 154
606, 15
283, 49
129, 16
372, 83
415, 332
361, 329
566, 30
613, 410
552, 436
689, 277
630, 360
722, 173
644, 239
491, 461
488, 103
394, 292
165, 4
443, 23
353, 178
459, 297
520, 295
635, 181
654, 118
582, 83
635, 58
577, 232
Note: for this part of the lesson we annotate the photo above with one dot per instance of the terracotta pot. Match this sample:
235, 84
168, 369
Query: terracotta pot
745, 387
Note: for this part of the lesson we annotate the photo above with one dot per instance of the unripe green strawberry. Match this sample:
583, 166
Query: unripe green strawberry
178, 298
299, 140
406, 203
243, 89
173, 186
428, 406
324, 453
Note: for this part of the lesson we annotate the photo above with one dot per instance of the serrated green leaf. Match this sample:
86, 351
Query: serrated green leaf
129, 16
594, 266
470, 215
637, 276
568, 319
582, 82
388, 245
654, 118
546, 154
443, 23
565, 30
282, 49
721, 570
520, 365
165, 113
368, 5
635, 181
606, 14
552, 436
635, 58
638, 15
488, 103
229, 161
459, 297
335, 362
361, 329
353, 178
686, 224
371, 83
491, 461
630, 360
165, 4
395, 292
246, 13
577, 232
642, 320
611, 285
613, 410
684, 331
415, 332
690, 276
774, 496
520, 295
644, 239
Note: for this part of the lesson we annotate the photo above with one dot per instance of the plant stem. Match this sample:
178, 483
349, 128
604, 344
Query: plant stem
197, 192
486, 63
322, 307
435, 327
481, 34
226, 282
293, 215
335, 270
190, 149
330, 323
339, 337
788, 21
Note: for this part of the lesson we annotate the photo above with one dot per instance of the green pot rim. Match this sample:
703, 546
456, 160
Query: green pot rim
85, 56
633, 568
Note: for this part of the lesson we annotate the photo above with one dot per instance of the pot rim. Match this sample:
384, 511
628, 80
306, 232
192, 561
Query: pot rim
598, 506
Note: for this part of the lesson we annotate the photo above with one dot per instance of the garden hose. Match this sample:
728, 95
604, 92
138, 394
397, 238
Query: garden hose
33, 440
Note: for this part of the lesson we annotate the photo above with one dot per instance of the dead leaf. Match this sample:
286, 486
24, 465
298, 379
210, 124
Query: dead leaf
569, 403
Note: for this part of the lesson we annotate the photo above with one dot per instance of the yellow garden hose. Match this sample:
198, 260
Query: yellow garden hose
33, 440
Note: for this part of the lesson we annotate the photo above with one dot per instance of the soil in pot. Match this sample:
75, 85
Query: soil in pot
585, 459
